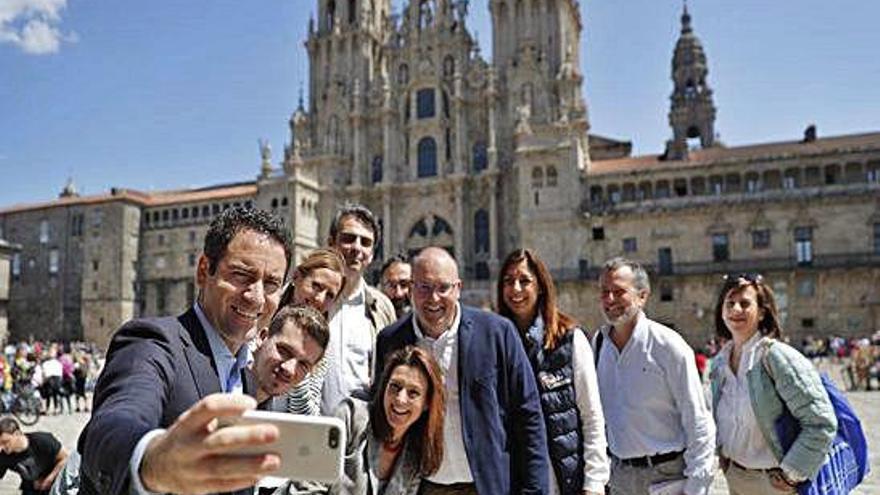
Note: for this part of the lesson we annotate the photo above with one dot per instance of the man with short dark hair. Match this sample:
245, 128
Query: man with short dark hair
153, 428
36, 457
362, 310
288, 350
396, 281
494, 434
658, 425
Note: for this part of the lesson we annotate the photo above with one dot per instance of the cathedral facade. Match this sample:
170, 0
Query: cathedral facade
405, 116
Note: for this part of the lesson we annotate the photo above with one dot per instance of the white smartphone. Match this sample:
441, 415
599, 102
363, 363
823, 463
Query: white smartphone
312, 448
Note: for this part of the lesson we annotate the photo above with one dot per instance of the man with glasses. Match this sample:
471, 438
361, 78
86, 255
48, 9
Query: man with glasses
494, 437
361, 312
396, 283
658, 426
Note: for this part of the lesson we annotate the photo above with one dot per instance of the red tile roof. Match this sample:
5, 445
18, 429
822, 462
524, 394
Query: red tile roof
702, 157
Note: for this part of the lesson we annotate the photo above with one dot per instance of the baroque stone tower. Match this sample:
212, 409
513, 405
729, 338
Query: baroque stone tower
405, 116
692, 111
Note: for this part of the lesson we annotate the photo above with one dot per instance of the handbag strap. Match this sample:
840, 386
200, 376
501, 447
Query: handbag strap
765, 360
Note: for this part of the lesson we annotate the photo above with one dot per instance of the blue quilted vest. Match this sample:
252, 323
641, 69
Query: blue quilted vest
555, 377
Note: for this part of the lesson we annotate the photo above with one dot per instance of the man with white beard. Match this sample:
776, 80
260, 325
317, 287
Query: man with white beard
659, 429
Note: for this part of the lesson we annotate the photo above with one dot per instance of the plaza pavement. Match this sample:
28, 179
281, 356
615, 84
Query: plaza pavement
867, 404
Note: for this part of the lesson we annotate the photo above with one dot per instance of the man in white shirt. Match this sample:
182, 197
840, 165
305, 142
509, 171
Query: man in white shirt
658, 426
362, 310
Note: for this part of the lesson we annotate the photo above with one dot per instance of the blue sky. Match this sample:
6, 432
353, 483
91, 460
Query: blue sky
165, 94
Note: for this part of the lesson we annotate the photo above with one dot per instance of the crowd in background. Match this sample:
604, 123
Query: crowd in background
859, 357
62, 373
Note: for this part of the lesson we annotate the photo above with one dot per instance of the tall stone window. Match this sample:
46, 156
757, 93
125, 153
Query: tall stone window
480, 156
44, 231
537, 177
664, 261
803, 244
720, 247
16, 265
481, 231
876, 237
54, 261
376, 170
161, 298
761, 239
427, 160
425, 103
448, 66
552, 176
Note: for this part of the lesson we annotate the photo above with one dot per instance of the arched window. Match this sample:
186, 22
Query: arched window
331, 14
481, 231
427, 164
352, 11
551, 176
480, 158
425, 103
376, 170
448, 66
537, 177
403, 74
426, 14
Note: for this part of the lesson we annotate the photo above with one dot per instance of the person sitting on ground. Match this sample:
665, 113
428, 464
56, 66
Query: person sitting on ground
36, 457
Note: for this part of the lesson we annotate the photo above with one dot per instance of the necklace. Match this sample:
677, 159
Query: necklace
392, 448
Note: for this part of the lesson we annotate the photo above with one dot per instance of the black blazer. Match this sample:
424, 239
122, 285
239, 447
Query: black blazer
504, 432
156, 369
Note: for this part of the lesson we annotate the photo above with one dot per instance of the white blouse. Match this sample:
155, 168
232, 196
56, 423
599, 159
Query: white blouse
586, 393
739, 435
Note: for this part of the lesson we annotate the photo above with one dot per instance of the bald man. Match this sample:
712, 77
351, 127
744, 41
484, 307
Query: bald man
494, 430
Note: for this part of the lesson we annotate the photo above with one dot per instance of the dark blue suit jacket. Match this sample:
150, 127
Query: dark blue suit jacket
156, 369
504, 435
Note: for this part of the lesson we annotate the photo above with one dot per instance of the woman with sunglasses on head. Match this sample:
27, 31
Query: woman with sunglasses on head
397, 438
756, 378
317, 282
562, 360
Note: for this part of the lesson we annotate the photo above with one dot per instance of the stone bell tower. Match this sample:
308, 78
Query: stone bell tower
692, 111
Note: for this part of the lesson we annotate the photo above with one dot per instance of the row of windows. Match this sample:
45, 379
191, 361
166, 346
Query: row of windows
734, 183
163, 217
54, 263
426, 161
544, 176
448, 70
801, 236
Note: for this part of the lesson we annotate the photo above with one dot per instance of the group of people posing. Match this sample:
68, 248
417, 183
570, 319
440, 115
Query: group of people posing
438, 397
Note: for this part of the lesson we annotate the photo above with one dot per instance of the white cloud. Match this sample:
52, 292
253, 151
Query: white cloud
33, 25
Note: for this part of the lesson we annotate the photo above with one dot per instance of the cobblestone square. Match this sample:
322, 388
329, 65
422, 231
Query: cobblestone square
867, 404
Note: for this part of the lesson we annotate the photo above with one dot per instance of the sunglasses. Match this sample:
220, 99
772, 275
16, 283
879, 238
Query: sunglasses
751, 277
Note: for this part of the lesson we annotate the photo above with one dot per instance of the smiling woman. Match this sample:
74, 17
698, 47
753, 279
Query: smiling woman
399, 436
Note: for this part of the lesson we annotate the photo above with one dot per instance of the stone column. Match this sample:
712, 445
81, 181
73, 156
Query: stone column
460, 156
492, 148
459, 215
493, 226
357, 121
386, 222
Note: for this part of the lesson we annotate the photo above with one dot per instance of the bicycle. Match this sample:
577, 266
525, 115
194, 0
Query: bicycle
25, 405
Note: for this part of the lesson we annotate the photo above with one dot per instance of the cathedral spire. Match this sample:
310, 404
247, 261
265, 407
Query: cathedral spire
692, 111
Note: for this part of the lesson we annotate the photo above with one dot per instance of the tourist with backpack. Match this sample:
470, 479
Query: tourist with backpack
776, 423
